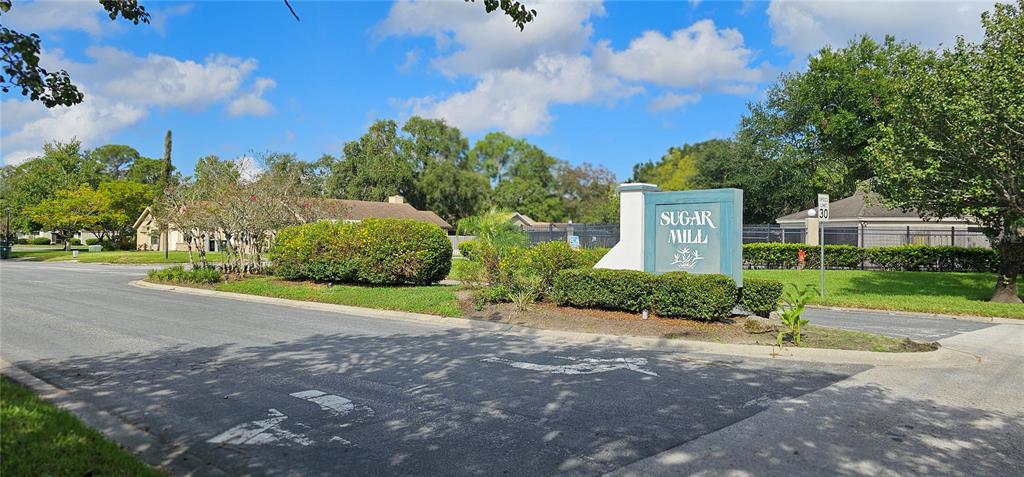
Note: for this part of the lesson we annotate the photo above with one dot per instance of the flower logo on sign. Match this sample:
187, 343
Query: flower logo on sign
686, 258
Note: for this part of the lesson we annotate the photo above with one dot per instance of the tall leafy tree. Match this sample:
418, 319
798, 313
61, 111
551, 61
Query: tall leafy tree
124, 202
70, 210
588, 193
116, 159
373, 167
147, 171
954, 145
674, 171
811, 131
168, 165
62, 166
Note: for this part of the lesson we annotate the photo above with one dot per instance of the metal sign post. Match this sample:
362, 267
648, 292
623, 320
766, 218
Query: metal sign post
823, 213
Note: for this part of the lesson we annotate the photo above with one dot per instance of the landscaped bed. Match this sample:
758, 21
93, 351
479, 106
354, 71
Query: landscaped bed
730, 330
450, 301
39, 439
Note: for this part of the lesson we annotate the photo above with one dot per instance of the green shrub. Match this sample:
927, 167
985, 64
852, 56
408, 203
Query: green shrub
21, 241
934, 259
321, 251
92, 241
704, 297
469, 249
627, 290
39, 241
399, 251
178, 274
786, 255
76, 241
546, 259
590, 256
374, 251
761, 297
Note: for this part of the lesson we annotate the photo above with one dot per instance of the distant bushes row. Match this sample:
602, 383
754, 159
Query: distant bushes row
898, 258
373, 251
674, 294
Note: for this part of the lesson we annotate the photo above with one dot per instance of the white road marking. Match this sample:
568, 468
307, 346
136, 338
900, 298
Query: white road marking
582, 365
262, 431
337, 405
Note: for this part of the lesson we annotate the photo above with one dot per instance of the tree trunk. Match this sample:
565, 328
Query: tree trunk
1011, 258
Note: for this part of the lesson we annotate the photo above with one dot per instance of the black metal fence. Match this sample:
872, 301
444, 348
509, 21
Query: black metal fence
870, 236
607, 235
591, 235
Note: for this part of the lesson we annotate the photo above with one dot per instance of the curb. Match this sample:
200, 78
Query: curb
921, 314
173, 457
943, 357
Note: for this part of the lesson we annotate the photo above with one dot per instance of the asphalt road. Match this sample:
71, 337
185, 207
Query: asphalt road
922, 328
261, 389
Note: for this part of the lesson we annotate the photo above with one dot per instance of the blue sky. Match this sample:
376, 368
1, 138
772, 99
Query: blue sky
611, 83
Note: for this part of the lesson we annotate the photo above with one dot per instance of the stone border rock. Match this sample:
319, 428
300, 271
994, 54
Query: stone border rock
941, 358
174, 457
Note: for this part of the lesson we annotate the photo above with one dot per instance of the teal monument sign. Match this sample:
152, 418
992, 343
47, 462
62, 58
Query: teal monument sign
694, 231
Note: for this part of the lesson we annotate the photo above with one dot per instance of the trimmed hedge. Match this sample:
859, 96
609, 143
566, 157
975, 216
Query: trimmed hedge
374, 251
934, 259
178, 274
92, 241
627, 290
675, 294
703, 297
786, 255
76, 241
760, 296
39, 241
897, 258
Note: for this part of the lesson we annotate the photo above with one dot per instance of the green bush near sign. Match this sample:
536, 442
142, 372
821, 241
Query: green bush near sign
896, 258
374, 251
760, 296
697, 296
469, 249
673, 294
627, 290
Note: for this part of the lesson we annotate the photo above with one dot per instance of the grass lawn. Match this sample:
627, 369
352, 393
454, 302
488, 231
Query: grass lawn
39, 439
50, 254
463, 269
930, 292
436, 300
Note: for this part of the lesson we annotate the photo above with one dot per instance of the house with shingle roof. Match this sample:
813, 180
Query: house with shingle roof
149, 237
862, 220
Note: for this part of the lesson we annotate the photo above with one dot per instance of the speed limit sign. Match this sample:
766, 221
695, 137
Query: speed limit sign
823, 207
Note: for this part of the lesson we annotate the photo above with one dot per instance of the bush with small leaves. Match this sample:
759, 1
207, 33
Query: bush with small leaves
759, 296
688, 295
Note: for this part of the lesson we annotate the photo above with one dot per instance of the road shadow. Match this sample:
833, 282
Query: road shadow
451, 402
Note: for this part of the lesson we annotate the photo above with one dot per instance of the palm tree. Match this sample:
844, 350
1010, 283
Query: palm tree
495, 235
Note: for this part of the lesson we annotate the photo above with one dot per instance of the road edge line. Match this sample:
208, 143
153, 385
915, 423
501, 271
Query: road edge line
175, 458
938, 358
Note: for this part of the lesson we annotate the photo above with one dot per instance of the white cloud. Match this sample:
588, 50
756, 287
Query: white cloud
252, 103
120, 89
519, 76
518, 100
248, 169
697, 56
43, 16
484, 42
669, 101
802, 27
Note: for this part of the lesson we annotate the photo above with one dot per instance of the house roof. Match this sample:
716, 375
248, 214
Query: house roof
859, 206
363, 209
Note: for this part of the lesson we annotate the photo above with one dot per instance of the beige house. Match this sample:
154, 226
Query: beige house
149, 237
